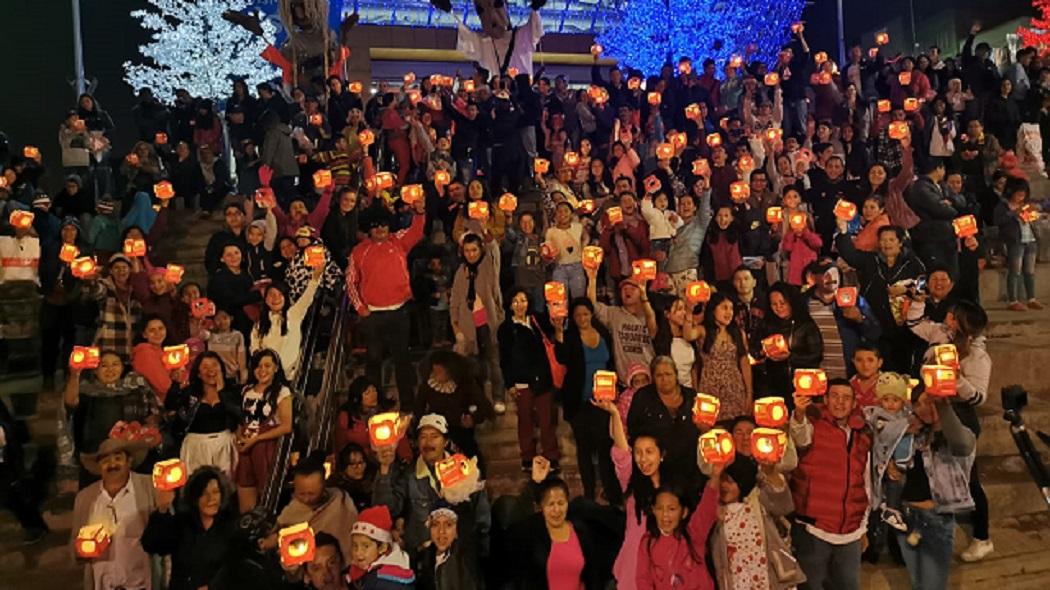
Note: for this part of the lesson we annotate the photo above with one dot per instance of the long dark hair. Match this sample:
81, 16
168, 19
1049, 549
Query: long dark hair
654, 529
264, 316
279, 379
140, 328
972, 320
711, 327
195, 486
732, 232
353, 406
196, 386
640, 485
790, 293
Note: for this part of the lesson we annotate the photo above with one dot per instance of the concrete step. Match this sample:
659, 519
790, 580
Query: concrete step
993, 283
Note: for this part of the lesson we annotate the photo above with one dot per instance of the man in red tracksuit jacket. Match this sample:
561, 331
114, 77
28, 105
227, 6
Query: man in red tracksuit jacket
830, 487
378, 285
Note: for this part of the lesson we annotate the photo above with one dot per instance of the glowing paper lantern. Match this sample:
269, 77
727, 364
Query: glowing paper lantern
771, 412
508, 203
965, 226
84, 267
20, 219
739, 191
884, 105
173, 273
412, 193
947, 355
163, 190
592, 257
643, 269
882, 39
175, 357
797, 221
604, 386
705, 410
554, 291
586, 207
314, 255
634, 83
911, 105
384, 180
296, 545
775, 345
68, 253
548, 250
409, 78
323, 178
134, 247
904, 78
414, 96
316, 119
1028, 213
845, 210
384, 429
615, 215
356, 87
714, 140
899, 130
654, 98
736, 62
820, 57
939, 380
478, 210
366, 137
85, 357
652, 183
810, 381
468, 86
846, 296
160, 138
716, 447
745, 163
31, 152
768, 445
453, 470
169, 475
772, 79
202, 307
442, 178
677, 139
692, 112
701, 168
541, 166
571, 159
774, 215
92, 541
697, 292
665, 151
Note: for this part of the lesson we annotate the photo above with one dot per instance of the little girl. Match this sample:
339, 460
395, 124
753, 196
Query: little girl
229, 345
663, 224
872, 217
376, 562
671, 555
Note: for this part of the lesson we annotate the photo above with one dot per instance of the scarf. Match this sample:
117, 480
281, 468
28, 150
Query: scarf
472, 277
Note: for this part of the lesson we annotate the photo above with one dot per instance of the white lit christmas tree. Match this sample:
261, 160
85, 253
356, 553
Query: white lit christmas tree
192, 47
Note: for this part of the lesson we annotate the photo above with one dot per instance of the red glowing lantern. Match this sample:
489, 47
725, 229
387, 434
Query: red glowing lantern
845, 210
774, 133
692, 112
541, 166
68, 253
697, 292
592, 257
946, 355
911, 105
939, 380
384, 429
92, 541
202, 307
846, 296
797, 221
84, 267
604, 386
774, 215
314, 255
175, 357
169, 475
714, 140
965, 226
85, 357
615, 215
20, 219
366, 137
384, 180
508, 203
771, 412
665, 151
775, 345
164, 190
414, 96
736, 62
296, 545
453, 470
701, 168
356, 87
652, 183
173, 273
899, 130
643, 269
705, 410
412, 193
884, 105
134, 247
634, 83
739, 191
677, 139
442, 178
772, 79
586, 207
904, 78
810, 381
882, 39
571, 159
478, 210
554, 291
323, 178
768, 445
716, 447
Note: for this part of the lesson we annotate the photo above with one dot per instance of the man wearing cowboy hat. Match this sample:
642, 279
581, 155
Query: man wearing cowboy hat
123, 501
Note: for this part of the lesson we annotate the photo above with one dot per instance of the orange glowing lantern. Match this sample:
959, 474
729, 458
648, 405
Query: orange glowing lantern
85, 357
911, 105
716, 447
677, 139
772, 79
884, 105
356, 87
68, 253
596, 50
453, 470
845, 210
634, 83
882, 39
314, 256
21, 219
947, 355
1028, 213
169, 475
664, 151
692, 112
366, 137
173, 273
745, 163
554, 291
84, 267
202, 307
643, 269
31, 152
652, 183
604, 386
541, 166
797, 221
899, 130
714, 140
810, 381
160, 138
739, 191
384, 180
478, 210
412, 193
548, 250
592, 257
774, 215
939, 380
771, 412
571, 159
846, 296
697, 292
442, 178
508, 203
414, 97
468, 86
323, 178
797, 27
602, 97
904, 78
316, 119
736, 62
768, 444
705, 410
654, 98
409, 78
701, 168
176, 357
512, 72
164, 190
92, 541
824, 78
296, 545
685, 68
132, 159
965, 226
135, 247
586, 207
384, 429
775, 345
820, 57
615, 215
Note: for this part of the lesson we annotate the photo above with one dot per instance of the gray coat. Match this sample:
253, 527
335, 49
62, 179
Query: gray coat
486, 286
278, 151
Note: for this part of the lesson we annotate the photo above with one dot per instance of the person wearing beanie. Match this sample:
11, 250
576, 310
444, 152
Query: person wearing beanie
258, 254
376, 561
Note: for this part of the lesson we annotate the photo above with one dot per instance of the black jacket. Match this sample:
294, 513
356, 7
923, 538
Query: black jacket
1008, 222
805, 346
231, 292
876, 276
523, 358
218, 241
935, 217
339, 234
534, 543
570, 354
196, 554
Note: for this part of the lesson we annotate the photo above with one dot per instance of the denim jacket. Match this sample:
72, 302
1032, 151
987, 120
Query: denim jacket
947, 457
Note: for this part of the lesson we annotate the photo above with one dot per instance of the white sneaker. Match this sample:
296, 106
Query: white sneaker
500, 407
977, 550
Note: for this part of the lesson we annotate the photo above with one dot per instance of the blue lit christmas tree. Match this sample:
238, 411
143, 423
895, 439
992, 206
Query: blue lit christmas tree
651, 32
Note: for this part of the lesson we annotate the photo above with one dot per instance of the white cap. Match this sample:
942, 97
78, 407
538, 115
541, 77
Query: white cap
435, 421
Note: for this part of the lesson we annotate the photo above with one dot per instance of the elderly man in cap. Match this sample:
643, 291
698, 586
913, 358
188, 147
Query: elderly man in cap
378, 286
122, 501
411, 489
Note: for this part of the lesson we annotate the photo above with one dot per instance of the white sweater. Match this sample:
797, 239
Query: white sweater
288, 346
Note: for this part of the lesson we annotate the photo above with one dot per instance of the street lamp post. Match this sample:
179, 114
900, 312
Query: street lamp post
78, 49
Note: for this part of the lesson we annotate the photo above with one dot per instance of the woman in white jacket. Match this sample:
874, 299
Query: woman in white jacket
280, 323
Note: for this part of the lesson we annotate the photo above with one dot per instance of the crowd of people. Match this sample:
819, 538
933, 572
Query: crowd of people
697, 233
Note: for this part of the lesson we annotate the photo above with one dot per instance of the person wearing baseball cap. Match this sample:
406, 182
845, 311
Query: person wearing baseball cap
376, 561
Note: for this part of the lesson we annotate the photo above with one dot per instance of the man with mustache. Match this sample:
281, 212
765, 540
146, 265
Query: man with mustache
122, 501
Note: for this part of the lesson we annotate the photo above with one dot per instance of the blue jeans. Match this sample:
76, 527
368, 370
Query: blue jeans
573, 278
826, 565
1020, 264
795, 116
929, 562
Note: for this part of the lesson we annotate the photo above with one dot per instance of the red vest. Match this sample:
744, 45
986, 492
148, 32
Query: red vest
828, 486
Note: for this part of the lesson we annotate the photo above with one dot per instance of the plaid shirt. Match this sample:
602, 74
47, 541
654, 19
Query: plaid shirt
117, 319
